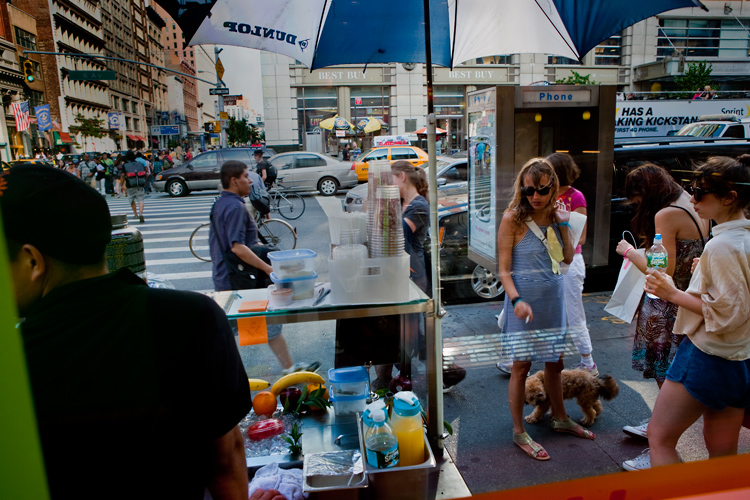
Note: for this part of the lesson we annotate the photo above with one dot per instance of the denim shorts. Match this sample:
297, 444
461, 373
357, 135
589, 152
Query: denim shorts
713, 381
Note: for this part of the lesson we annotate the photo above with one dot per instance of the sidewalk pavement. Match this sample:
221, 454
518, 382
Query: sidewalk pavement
481, 445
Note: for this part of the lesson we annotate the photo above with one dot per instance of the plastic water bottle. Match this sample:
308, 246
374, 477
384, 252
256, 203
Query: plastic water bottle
656, 258
381, 444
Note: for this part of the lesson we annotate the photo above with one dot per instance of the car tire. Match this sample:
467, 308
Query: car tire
483, 285
328, 186
177, 188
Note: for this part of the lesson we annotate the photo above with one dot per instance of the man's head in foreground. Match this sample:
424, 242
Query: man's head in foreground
56, 228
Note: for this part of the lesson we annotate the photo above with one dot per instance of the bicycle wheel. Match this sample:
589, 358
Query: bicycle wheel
290, 205
199, 243
279, 233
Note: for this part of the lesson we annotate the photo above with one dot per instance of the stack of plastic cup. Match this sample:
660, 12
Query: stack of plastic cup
387, 231
378, 175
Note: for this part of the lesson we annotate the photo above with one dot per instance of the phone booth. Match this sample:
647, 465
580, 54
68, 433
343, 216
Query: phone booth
510, 125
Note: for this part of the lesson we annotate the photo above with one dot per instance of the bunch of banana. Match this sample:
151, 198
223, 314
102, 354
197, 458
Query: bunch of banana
294, 379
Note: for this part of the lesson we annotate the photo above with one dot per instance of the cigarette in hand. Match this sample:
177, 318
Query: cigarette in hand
527, 320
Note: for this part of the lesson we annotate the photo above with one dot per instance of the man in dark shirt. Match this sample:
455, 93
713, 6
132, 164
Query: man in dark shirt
264, 169
141, 400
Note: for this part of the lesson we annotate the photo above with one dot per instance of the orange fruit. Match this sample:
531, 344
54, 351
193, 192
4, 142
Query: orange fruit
315, 387
264, 403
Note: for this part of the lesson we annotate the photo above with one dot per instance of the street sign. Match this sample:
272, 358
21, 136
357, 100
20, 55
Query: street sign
92, 75
219, 91
358, 101
224, 115
219, 68
165, 130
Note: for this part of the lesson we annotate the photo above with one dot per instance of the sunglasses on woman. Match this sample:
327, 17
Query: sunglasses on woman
697, 192
530, 190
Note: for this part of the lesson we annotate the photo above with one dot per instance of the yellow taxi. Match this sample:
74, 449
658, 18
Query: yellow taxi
412, 154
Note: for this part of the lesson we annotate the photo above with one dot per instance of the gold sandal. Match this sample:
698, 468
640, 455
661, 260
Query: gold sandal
536, 449
571, 427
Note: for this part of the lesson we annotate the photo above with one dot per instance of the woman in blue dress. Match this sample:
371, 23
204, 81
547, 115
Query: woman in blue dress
534, 237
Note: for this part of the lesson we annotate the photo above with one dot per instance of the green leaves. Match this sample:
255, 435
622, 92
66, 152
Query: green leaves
307, 400
295, 446
577, 79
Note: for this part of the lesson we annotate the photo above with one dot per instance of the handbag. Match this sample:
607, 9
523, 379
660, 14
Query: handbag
628, 290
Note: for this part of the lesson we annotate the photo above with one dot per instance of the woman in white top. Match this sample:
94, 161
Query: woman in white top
710, 374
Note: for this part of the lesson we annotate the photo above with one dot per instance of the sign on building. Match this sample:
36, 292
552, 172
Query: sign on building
165, 130
231, 100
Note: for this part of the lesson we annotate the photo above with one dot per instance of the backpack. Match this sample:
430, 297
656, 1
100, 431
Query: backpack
260, 198
271, 174
135, 174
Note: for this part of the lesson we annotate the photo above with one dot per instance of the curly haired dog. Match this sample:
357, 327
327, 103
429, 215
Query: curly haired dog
578, 384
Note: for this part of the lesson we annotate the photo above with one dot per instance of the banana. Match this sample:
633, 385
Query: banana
258, 384
294, 379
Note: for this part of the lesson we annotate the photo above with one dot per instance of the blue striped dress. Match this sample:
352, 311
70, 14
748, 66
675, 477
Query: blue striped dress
544, 337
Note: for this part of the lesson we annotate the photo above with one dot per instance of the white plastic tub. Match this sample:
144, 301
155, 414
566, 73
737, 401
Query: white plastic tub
293, 263
303, 287
372, 281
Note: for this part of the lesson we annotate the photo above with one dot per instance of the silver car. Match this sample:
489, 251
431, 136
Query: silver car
452, 179
308, 171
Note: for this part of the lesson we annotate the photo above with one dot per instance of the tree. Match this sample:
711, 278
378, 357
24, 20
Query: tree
696, 76
238, 131
577, 79
88, 127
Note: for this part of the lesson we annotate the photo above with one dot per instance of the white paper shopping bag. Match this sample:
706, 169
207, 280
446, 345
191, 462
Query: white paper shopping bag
628, 291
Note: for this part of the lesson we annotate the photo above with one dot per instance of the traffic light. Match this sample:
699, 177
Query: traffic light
208, 127
28, 70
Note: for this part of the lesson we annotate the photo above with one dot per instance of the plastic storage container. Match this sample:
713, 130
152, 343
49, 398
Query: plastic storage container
369, 281
302, 287
280, 297
293, 263
349, 388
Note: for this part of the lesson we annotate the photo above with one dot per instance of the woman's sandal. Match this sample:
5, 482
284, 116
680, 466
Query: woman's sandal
536, 449
571, 427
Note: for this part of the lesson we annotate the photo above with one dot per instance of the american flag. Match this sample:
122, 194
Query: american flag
21, 114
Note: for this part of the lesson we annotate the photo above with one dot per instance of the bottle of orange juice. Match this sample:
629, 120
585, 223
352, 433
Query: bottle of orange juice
406, 422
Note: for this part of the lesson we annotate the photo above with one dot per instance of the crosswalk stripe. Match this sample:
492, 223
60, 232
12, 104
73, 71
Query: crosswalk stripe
184, 276
203, 217
169, 231
173, 250
171, 262
176, 238
148, 224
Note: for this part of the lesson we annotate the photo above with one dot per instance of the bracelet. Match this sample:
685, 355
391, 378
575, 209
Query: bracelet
516, 300
625, 255
566, 224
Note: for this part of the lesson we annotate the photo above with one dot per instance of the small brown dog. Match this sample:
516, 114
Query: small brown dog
578, 384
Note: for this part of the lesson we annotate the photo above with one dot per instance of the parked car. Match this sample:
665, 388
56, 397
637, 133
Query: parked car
452, 175
728, 126
29, 161
4, 166
308, 171
412, 154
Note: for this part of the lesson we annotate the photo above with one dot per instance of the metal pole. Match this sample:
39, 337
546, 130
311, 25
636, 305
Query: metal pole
434, 342
219, 83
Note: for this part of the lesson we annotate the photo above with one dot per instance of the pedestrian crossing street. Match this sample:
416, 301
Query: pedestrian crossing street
169, 222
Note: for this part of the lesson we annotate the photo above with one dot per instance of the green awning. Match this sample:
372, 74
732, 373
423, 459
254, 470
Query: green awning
62, 138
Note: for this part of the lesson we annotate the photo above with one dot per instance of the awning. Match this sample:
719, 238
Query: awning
62, 138
136, 138
155, 141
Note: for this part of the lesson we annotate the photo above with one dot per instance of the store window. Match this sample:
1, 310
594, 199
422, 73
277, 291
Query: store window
314, 104
506, 59
702, 38
449, 100
374, 101
25, 39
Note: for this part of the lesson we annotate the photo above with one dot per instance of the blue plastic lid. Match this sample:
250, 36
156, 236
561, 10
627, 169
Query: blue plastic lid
352, 374
376, 405
406, 404
301, 253
276, 279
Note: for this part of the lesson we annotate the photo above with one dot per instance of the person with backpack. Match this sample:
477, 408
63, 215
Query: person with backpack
109, 177
264, 169
87, 171
134, 174
140, 158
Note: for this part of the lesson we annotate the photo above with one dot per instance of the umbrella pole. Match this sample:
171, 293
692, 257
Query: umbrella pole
434, 342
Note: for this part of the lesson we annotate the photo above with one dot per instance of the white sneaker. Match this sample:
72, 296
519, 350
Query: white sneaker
641, 462
504, 367
592, 370
637, 430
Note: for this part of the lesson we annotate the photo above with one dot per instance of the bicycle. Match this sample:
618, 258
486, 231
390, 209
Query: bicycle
275, 231
290, 205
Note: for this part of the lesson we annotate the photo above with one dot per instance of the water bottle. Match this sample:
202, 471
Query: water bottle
381, 444
656, 258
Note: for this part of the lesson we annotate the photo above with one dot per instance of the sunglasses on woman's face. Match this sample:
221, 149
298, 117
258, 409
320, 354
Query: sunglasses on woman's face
698, 193
530, 190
